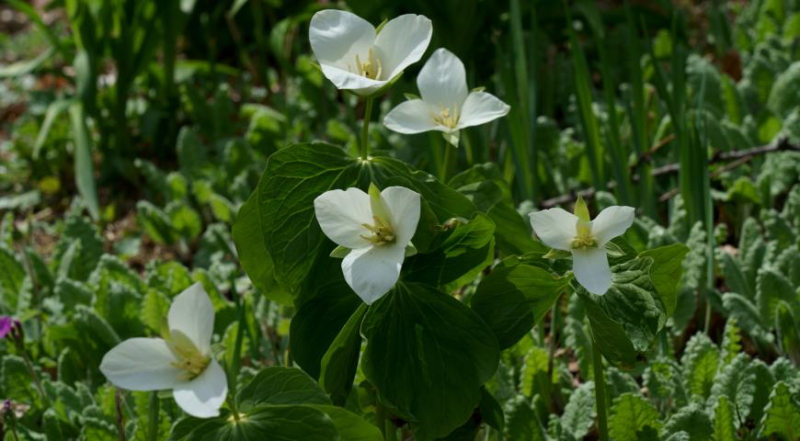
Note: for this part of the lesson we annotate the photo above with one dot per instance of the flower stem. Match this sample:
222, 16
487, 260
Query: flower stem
365, 129
232, 406
599, 390
153, 416
448, 157
35, 377
120, 418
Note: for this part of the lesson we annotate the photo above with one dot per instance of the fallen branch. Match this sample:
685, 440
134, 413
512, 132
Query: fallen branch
736, 157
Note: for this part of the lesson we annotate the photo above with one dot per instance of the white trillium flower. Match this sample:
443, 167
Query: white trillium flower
586, 239
376, 228
354, 56
183, 362
446, 105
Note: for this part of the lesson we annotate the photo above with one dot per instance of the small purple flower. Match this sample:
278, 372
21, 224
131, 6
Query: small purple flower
6, 326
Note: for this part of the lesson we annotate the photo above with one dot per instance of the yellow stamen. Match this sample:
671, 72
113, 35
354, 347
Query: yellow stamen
584, 238
371, 68
190, 360
446, 117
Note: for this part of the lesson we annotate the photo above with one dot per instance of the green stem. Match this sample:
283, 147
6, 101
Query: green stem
232, 406
35, 377
236, 363
153, 416
448, 158
365, 129
599, 390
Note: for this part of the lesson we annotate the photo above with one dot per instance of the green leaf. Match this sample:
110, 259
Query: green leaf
666, 272
466, 250
783, 97
691, 419
12, 275
319, 321
522, 424
764, 381
631, 413
633, 302
340, 362
156, 223
534, 369
771, 290
700, 361
184, 219
448, 352
262, 422
155, 307
579, 413
512, 299
491, 412
782, 415
736, 382
724, 429
280, 385
734, 276
608, 334
350, 426
253, 255
84, 168
731, 341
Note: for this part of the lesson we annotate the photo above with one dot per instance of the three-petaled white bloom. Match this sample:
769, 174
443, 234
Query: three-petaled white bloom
446, 105
376, 228
354, 56
183, 362
585, 238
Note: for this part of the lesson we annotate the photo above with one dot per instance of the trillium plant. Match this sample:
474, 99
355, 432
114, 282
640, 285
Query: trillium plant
181, 361
446, 104
586, 239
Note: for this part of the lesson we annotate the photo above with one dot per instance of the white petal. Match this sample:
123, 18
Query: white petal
591, 269
612, 222
402, 42
410, 117
555, 227
480, 108
443, 80
358, 84
338, 36
342, 214
141, 364
404, 205
192, 314
372, 272
203, 396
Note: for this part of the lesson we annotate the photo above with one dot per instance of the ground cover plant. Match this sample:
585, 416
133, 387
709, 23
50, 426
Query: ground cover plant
385, 220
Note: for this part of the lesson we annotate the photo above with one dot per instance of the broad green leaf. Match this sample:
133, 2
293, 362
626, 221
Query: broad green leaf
340, 362
782, 98
512, 299
666, 271
280, 386
579, 413
691, 419
448, 352
633, 302
491, 412
724, 428
318, 322
253, 256
262, 422
608, 334
631, 413
350, 426
466, 250
782, 415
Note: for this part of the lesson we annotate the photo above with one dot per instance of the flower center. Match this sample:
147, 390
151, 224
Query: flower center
190, 360
382, 232
371, 68
584, 238
446, 117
